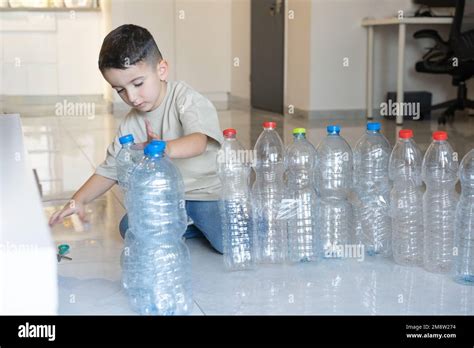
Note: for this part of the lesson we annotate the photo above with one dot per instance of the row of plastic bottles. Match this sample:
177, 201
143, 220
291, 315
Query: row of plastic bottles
307, 202
155, 261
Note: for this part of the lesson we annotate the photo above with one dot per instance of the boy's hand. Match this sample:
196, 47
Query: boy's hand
149, 132
72, 207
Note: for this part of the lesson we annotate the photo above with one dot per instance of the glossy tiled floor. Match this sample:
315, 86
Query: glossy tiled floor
65, 150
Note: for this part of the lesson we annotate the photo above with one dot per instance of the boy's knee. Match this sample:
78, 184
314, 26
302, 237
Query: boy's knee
219, 248
217, 244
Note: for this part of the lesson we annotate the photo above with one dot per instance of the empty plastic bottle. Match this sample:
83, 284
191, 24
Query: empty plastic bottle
300, 198
233, 166
125, 161
157, 269
406, 201
439, 172
464, 233
372, 190
334, 183
267, 194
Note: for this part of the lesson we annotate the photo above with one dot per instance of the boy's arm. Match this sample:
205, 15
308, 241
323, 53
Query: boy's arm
94, 187
188, 146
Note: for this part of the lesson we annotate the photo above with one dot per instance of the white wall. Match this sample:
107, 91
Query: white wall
240, 48
298, 54
336, 33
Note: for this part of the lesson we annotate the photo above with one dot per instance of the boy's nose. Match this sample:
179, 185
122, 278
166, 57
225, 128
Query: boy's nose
132, 97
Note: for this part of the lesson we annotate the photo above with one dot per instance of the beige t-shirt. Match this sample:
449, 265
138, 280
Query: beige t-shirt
182, 112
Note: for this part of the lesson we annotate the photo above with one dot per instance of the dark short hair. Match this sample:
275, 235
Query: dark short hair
127, 45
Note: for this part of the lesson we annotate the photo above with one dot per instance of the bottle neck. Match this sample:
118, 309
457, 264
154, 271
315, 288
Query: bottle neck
155, 156
299, 136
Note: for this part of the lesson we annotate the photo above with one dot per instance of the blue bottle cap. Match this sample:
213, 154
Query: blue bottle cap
333, 129
155, 147
126, 139
373, 126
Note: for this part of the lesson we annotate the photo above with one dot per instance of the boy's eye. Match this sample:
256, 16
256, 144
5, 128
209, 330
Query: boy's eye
120, 90
138, 84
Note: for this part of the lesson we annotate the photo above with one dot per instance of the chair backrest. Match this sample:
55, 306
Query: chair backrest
462, 30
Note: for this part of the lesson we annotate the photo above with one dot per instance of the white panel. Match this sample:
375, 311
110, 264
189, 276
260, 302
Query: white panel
298, 46
42, 79
28, 264
241, 48
29, 47
79, 41
203, 42
15, 79
2, 76
28, 21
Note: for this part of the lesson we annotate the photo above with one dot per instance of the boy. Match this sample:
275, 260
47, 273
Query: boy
171, 111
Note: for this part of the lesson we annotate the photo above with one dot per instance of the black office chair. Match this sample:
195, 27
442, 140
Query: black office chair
454, 57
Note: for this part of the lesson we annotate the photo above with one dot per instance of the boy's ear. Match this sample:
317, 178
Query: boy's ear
162, 69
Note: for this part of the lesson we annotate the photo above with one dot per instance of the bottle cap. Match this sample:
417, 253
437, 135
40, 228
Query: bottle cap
271, 125
373, 126
333, 129
155, 147
440, 135
126, 139
229, 132
405, 133
299, 131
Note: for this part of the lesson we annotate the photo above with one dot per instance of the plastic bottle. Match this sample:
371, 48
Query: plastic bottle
439, 172
233, 166
161, 282
464, 233
125, 161
406, 201
372, 190
267, 194
300, 195
334, 184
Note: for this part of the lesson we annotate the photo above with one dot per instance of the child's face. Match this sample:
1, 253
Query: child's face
140, 85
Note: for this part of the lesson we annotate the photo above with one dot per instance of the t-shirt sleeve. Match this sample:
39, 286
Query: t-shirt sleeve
108, 168
198, 115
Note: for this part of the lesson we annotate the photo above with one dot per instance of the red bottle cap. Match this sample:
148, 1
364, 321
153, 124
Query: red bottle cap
405, 133
440, 135
271, 125
229, 132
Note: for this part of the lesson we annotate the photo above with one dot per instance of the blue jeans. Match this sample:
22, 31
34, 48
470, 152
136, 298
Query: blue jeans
206, 222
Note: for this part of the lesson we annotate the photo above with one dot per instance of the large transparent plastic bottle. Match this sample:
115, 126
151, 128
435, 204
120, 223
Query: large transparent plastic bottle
334, 183
267, 194
407, 201
464, 233
439, 172
157, 266
233, 166
300, 196
372, 189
